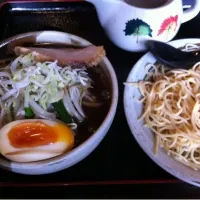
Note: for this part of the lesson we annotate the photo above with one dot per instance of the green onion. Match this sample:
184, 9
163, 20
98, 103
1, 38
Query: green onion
62, 112
28, 113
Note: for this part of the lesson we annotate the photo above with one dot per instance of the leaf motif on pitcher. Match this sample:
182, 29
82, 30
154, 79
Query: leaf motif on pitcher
168, 26
137, 27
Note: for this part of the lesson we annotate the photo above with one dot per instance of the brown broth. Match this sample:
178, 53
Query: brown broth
95, 116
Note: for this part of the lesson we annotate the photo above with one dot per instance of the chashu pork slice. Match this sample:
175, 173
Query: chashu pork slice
88, 56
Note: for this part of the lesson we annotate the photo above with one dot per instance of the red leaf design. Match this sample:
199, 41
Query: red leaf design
167, 23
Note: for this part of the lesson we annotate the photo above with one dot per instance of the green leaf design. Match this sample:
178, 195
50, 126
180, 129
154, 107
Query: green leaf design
137, 27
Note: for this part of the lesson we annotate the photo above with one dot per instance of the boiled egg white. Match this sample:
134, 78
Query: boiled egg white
35, 139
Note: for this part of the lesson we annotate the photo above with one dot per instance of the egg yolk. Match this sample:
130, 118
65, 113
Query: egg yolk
29, 134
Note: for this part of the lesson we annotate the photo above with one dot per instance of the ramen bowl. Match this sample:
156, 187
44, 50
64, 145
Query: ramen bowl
81, 151
142, 134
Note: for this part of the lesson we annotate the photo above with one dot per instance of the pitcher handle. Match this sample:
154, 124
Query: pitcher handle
191, 12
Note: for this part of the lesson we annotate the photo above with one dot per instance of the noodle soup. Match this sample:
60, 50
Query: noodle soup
45, 91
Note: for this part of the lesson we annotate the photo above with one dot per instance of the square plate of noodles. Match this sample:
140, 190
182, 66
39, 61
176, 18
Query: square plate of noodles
162, 110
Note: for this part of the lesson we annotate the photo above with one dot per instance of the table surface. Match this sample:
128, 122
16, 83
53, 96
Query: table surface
140, 190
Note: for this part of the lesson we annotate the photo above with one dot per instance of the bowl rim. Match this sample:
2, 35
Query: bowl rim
89, 144
175, 43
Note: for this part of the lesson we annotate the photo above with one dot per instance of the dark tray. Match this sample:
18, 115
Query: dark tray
118, 159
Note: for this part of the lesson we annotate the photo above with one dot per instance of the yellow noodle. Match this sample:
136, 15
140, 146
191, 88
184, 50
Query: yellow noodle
172, 111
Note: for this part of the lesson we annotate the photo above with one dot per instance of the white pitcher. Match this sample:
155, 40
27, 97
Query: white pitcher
129, 25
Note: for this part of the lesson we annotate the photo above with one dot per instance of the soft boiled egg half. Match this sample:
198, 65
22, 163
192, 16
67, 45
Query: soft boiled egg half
35, 139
